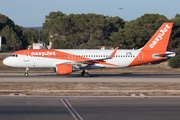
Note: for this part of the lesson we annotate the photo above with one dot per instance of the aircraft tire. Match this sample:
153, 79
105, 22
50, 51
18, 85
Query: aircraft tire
86, 74
26, 74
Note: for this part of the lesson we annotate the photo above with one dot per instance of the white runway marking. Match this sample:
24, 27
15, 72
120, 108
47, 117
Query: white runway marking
73, 112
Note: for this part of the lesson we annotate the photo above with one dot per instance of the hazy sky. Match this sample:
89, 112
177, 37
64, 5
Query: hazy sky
31, 13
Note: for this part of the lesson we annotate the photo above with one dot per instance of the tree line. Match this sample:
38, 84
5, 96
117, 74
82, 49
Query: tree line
80, 30
15, 37
87, 31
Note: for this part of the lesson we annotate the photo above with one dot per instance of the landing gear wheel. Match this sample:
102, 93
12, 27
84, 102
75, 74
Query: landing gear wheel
85, 74
26, 74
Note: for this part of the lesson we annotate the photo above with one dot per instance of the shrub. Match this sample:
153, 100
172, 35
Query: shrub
174, 62
4, 48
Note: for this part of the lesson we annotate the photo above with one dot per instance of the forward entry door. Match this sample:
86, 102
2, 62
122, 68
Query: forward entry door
26, 56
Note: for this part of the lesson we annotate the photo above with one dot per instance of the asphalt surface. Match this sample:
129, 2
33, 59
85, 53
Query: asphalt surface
89, 108
92, 78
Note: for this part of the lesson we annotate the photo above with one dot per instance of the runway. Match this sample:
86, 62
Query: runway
92, 78
90, 108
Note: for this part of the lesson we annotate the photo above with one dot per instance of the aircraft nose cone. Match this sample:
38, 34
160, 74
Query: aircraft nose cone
6, 61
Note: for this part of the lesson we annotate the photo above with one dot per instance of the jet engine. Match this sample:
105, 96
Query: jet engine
63, 69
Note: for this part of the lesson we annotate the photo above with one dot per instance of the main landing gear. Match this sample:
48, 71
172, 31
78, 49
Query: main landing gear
85, 73
26, 73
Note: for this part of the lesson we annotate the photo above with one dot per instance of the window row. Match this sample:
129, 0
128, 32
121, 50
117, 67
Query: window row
73, 56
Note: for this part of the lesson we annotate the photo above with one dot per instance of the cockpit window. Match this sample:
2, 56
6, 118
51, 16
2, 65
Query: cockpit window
13, 55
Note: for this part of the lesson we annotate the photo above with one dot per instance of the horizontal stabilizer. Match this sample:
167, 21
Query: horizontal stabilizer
167, 55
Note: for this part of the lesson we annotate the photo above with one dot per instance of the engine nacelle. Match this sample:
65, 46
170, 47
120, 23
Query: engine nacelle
63, 69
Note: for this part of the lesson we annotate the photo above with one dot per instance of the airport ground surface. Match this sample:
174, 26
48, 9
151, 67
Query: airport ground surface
45, 95
89, 108
95, 85
125, 77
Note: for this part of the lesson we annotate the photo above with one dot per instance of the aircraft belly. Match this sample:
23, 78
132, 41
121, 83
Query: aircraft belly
35, 63
43, 63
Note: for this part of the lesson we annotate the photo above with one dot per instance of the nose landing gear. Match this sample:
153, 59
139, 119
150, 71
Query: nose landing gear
26, 73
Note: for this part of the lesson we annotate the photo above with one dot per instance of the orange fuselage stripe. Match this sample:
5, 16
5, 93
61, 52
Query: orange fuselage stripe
54, 54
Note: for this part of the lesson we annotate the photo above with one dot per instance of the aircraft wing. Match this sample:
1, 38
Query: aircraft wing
92, 61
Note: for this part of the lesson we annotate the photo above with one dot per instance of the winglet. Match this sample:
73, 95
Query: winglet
114, 52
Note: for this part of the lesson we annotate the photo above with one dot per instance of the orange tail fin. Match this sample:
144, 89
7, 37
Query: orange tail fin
160, 39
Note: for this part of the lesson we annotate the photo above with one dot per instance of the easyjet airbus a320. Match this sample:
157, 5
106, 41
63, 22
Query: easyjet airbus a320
66, 61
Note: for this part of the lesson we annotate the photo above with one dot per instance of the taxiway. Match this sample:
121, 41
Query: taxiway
92, 78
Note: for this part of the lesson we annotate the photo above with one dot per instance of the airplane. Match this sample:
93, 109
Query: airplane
66, 61
103, 48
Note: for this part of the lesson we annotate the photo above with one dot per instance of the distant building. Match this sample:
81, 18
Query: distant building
0, 42
49, 46
39, 46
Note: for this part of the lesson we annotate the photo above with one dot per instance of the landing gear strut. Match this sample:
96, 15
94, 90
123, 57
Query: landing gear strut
26, 73
85, 73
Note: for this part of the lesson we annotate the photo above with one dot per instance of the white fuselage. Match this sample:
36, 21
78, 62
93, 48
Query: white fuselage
122, 58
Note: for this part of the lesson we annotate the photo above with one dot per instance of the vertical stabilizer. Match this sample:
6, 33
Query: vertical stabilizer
160, 39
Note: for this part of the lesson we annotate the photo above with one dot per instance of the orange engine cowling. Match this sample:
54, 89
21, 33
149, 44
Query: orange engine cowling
63, 69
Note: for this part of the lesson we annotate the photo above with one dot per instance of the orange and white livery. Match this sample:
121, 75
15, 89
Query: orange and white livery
66, 61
